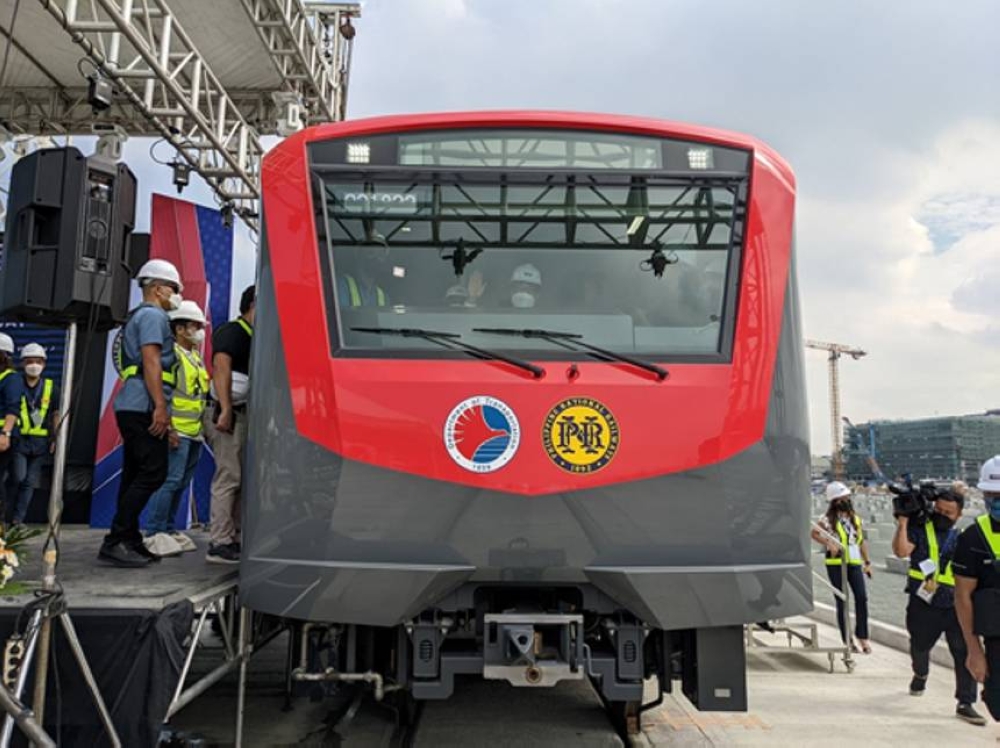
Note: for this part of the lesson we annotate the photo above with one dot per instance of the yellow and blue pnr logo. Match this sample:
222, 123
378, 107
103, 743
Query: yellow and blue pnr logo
580, 435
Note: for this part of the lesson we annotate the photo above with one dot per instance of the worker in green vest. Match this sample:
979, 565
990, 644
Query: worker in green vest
929, 542
10, 403
977, 588
38, 418
360, 288
187, 407
848, 555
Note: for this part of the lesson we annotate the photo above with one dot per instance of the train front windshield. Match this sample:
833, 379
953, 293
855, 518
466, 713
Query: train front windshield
632, 243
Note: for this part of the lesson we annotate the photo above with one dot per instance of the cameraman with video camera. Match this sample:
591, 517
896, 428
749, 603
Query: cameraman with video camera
977, 588
926, 533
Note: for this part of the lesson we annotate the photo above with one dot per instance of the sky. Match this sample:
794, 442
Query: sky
887, 110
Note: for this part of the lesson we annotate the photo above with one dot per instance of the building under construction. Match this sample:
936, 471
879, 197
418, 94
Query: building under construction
946, 447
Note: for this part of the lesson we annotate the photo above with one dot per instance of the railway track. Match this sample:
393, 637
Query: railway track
481, 713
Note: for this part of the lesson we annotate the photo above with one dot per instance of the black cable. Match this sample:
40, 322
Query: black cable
10, 43
95, 70
93, 318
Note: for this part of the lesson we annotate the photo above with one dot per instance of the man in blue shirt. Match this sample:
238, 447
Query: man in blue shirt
147, 363
10, 402
39, 417
930, 612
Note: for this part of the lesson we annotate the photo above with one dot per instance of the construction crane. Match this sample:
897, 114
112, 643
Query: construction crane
834, 352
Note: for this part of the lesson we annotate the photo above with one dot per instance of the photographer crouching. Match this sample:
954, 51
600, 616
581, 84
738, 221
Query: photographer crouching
926, 533
977, 588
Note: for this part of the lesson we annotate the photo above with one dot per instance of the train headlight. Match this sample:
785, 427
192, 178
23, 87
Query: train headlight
700, 158
358, 153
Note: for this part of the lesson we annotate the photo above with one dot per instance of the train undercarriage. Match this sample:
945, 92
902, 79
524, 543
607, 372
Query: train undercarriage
531, 638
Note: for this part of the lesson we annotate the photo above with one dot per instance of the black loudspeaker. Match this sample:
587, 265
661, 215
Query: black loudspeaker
67, 243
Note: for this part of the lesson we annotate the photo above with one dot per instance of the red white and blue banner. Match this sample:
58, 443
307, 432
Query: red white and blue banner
194, 239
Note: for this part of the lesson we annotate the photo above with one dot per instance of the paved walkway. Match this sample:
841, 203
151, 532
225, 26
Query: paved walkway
796, 701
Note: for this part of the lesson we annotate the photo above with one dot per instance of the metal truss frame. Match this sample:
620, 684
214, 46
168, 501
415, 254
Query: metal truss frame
242, 633
142, 47
312, 67
162, 80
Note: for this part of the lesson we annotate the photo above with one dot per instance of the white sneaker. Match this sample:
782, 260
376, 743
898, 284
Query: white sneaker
163, 545
184, 542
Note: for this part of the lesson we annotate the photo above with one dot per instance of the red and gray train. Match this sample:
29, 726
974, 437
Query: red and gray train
528, 402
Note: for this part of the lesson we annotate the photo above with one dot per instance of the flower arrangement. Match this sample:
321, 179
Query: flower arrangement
12, 541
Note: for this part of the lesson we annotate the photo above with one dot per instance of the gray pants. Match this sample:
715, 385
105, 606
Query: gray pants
228, 479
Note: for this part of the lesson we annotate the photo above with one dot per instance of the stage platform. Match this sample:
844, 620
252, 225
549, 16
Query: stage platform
91, 584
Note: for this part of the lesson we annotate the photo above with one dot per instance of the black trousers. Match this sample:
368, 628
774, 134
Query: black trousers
991, 689
6, 465
856, 581
144, 468
926, 624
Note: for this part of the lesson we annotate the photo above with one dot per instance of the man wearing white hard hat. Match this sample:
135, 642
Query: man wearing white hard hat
525, 286
10, 403
147, 363
846, 552
187, 408
38, 418
977, 588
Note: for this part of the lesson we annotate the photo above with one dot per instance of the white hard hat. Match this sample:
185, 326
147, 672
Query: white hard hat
33, 350
989, 475
161, 270
526, 274
836, 490
188, 310
6, 343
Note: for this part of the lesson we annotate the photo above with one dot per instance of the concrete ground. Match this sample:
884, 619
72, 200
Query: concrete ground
795, 701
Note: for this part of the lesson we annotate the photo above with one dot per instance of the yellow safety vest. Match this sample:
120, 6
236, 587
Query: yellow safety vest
984, 524
28, 427
945, 577
838, 560
128, 371
245, 325
188, 403
355, 293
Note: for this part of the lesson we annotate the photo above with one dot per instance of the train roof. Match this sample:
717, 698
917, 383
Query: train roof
548, 119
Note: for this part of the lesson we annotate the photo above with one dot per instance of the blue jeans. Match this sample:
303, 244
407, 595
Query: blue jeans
26, 470
164, 503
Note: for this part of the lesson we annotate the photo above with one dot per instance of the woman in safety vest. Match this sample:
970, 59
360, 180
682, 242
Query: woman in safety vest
849, 552
187, 405
38, 418
10, 403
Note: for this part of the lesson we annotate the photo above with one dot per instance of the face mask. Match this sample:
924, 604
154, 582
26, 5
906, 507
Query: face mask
34, 370
196, 336
175, 301
994, 507
523, 300
942, 523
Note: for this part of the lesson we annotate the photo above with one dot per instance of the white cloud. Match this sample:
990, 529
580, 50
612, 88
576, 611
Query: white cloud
926, 314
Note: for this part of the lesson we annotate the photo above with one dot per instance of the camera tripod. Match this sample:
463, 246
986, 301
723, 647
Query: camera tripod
48, 607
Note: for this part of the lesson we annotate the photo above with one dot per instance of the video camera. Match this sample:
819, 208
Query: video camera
914, 502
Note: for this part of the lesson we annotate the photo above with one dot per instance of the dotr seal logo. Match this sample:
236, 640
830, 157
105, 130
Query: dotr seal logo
482, 434
580, 435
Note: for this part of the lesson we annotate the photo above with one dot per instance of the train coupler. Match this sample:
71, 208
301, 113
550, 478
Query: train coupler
533, 649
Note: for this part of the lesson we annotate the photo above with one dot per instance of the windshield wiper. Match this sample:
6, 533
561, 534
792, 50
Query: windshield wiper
565, 338
453, 341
